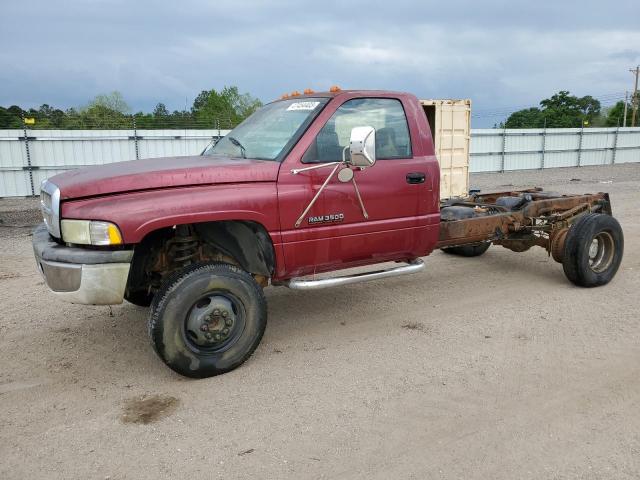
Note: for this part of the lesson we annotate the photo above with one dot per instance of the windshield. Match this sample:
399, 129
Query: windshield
269, 132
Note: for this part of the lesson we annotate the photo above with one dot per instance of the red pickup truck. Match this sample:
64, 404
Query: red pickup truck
308, 184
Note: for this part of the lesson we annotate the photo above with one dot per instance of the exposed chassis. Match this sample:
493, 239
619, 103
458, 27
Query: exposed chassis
542, 219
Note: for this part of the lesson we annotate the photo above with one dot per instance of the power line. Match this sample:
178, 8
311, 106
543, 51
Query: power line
605, 100
502, 110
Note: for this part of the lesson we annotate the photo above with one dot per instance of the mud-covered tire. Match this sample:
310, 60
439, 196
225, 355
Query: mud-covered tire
468, 250
593, 250
180, 299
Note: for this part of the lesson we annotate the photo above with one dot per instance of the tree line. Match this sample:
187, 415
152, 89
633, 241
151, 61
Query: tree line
564, 110
211, 109
228, 107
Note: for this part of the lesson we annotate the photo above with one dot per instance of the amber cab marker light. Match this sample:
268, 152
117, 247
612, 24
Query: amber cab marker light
334, 89
308, 91
284, 96
295, 93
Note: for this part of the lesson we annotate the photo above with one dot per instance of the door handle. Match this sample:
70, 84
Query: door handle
415, 177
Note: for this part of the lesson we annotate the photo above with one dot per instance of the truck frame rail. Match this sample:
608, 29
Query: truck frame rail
516, 219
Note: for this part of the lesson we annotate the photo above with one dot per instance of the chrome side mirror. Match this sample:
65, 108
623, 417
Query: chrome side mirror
362, 147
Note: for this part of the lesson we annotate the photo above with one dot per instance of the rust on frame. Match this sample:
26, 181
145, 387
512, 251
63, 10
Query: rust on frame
534, 222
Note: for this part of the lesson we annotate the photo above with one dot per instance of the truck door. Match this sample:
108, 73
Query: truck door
335, 233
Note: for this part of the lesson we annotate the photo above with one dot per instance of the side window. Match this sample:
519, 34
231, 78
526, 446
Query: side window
386, 115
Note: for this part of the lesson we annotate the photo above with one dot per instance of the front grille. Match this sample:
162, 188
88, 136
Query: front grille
50, 207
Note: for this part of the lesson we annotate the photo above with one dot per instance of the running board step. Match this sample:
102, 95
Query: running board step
414, 266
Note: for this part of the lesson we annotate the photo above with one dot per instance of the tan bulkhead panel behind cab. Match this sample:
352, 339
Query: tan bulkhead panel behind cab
450, 122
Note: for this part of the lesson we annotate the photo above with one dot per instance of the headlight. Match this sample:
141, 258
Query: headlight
89, 232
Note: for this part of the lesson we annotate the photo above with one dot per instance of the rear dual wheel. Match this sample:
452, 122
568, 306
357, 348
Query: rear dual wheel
593, 250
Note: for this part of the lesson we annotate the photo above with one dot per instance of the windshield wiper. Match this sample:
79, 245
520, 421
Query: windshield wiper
236, 142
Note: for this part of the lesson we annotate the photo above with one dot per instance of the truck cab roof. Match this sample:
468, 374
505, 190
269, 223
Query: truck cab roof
340, 92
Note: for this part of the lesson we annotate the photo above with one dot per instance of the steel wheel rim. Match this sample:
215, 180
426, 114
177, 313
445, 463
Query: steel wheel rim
214, 322
600, 252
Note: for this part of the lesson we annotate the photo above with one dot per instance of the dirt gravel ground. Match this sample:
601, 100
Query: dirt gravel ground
489, 368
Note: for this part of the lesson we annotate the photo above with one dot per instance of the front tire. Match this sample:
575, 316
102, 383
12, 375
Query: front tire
207, 319
593, 250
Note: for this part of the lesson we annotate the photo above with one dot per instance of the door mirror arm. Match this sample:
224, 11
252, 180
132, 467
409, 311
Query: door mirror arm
362, 150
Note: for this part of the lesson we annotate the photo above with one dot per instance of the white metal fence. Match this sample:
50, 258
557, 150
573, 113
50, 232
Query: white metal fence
494, 150
26, 158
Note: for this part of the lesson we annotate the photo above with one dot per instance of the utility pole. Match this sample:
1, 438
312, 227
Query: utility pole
635, 99
626, 101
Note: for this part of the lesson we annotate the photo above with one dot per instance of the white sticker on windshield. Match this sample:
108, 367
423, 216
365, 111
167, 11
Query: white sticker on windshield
303, 106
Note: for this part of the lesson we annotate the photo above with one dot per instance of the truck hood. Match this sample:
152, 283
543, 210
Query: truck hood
164, 172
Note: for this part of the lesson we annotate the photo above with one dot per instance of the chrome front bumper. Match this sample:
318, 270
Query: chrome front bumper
82, 275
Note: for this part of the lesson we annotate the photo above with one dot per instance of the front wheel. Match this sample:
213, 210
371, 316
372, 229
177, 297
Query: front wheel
207, 319
593, 250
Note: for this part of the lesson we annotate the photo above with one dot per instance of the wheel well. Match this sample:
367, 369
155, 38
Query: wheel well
243, 243
247, 242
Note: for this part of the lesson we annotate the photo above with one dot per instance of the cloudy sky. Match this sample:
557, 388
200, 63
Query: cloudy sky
501, 54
